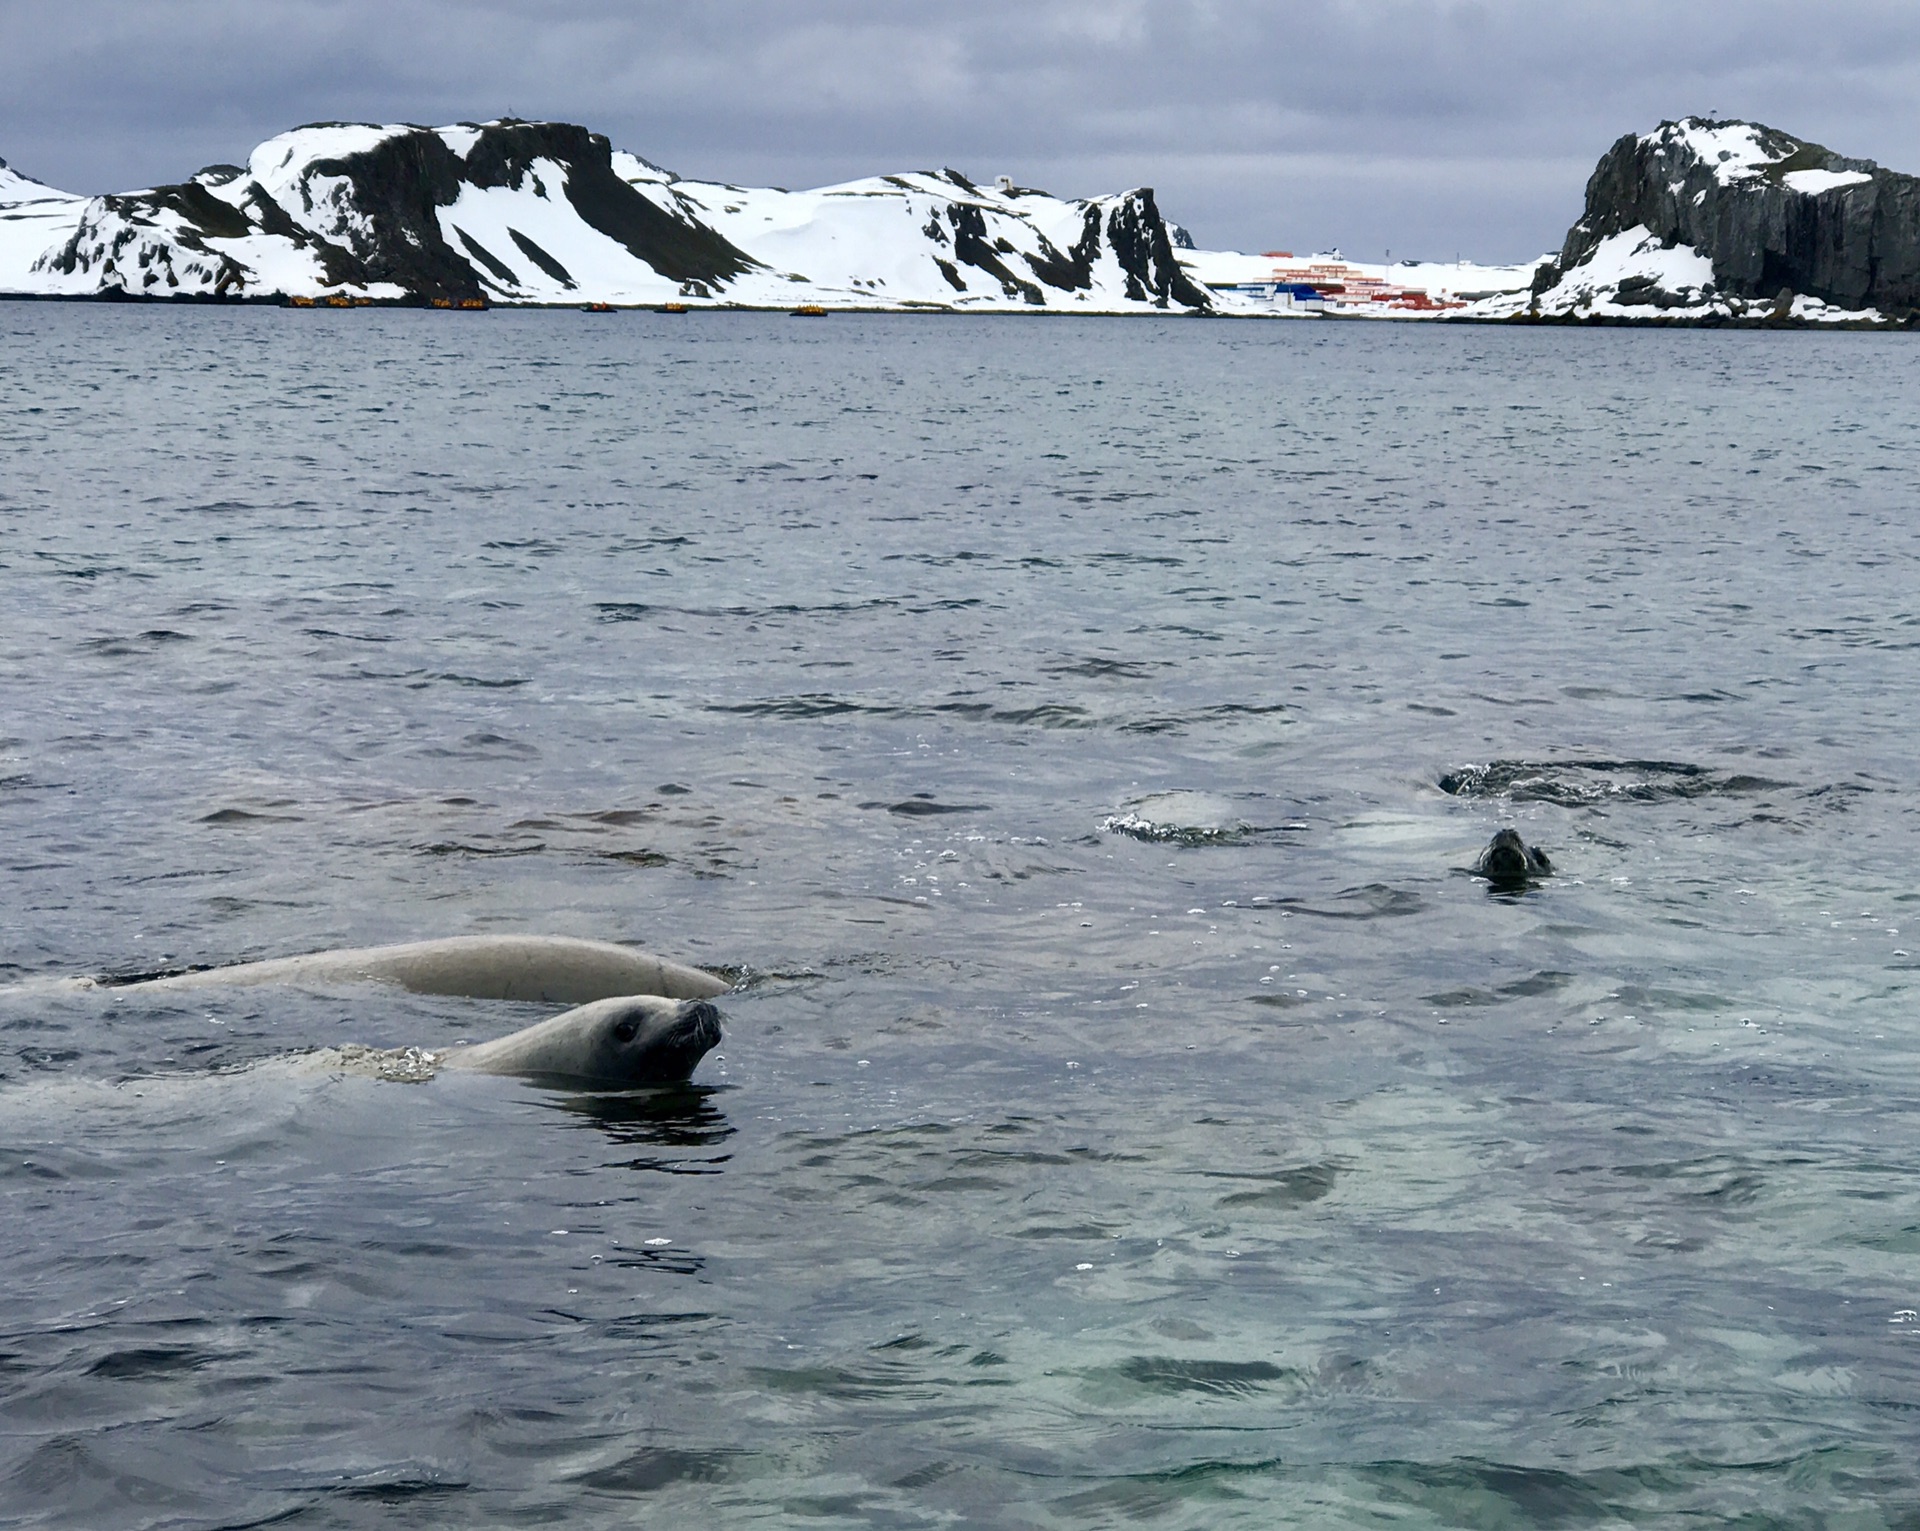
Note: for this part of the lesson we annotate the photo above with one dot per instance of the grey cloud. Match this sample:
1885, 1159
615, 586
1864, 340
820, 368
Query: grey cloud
1425, 126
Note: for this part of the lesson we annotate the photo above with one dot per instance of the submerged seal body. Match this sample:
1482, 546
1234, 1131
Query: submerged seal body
560, 969
620, 1043
1509, 862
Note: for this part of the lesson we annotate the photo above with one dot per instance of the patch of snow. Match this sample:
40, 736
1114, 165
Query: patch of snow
1816, 312
34, 219
1635, 252
632, 168
866, 243
281, 161
1733, 149
460, 138
600, 269
1592, 287
1813, 182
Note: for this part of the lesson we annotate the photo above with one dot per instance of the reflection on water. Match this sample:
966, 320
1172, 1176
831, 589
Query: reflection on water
676, 1116
1129, 1112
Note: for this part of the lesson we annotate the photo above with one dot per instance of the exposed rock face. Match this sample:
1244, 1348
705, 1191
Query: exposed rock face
370, 218
1139, 237
548, 212
1770, 214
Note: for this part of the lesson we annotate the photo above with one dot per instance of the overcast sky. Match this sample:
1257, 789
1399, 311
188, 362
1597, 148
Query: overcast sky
1424, 127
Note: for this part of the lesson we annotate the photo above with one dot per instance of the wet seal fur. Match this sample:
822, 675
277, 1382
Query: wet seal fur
1509, 862
622, 1043
556, 969
637, 1020
632, 1042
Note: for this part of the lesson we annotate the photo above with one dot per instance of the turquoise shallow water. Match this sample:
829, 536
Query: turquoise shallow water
1267, 1171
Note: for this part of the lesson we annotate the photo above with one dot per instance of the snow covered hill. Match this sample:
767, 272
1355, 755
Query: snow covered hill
543, 212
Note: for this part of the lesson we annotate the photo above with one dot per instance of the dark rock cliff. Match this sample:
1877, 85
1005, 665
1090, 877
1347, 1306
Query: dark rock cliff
381, 222
1771, 212
1138, 235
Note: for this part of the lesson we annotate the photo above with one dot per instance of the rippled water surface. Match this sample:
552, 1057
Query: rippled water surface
1074, 734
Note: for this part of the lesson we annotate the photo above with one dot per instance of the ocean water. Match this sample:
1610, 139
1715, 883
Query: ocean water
1074, 735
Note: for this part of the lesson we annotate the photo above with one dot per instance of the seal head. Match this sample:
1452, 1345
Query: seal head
620, 1044
1509, 862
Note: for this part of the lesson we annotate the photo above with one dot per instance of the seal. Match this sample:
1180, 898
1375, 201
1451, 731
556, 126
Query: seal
622, 1043
1509, 862
560, 970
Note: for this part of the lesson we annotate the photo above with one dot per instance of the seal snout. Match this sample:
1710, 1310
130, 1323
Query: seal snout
1509, 862
699, 1025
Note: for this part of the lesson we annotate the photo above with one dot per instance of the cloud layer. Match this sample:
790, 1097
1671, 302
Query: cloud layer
1427, 127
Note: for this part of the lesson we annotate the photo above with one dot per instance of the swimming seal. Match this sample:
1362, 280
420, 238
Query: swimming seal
618, 1043
1509, 862
562, 970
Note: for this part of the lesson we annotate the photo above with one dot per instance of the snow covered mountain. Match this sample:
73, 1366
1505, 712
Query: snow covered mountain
547, 212
1709, 221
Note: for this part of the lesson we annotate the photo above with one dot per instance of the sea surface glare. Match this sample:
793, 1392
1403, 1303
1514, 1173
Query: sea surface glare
1132, 1113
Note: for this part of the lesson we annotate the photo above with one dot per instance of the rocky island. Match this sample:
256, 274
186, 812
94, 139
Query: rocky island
1708, 221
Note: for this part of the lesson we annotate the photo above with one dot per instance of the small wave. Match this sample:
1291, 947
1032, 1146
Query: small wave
466, 848
822, 704
639, 611
1047, 715
817, 704
1137, 827
653, 1468
1374, 901
486, 683
1285, 1189
485, 746
1179, 818
641, 858
1107, 669
1222, 1379
150, 1361
1577, 783
1225, 712
1524, 988
920, 805
140, 643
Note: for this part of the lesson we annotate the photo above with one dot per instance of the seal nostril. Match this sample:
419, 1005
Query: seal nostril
700, 1025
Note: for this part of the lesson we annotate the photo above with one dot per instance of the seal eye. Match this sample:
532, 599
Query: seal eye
625, 1031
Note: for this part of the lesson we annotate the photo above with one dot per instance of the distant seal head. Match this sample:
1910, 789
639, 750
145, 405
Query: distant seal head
621, 1044
1509, 862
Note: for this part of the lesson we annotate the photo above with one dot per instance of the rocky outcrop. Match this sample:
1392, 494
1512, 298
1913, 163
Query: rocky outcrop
1705, 218
369, 220
1144, 248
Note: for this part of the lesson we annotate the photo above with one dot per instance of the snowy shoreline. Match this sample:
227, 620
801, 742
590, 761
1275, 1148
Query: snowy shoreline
1835, 320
